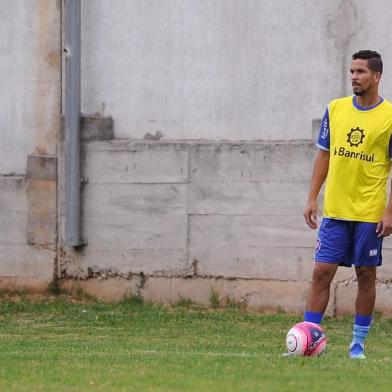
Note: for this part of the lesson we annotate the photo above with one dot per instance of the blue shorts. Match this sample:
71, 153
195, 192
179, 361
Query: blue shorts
348, 243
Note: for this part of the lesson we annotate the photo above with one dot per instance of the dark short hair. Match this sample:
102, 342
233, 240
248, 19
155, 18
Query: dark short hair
373, 58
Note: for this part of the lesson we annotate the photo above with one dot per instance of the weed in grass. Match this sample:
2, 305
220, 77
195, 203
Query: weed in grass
54, 288
184, 302
133, 300
232, 303
82, 295
214, 299
377, 315
280, 310
14, 295
23, 293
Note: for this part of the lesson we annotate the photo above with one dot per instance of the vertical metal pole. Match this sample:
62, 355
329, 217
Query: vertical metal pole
72, 34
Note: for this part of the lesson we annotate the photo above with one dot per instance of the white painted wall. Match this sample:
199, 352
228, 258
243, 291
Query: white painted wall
222, 69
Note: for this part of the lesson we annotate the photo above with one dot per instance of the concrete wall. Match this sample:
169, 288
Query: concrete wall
213, 207
28, 250
224, 69
30, 68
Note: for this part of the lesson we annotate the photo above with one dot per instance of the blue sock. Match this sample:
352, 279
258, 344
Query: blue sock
360, 331
363, 321
313, 317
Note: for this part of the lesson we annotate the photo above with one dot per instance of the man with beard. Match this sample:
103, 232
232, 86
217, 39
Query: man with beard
354, 159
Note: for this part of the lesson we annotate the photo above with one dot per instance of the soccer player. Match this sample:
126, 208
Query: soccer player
354, 157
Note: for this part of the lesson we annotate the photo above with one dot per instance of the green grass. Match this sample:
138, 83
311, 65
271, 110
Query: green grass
63, 345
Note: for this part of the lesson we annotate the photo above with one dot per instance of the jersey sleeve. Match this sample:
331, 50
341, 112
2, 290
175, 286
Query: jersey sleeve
323, 139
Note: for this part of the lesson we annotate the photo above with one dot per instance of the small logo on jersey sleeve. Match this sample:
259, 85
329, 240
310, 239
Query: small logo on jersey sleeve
355, 137
325, 128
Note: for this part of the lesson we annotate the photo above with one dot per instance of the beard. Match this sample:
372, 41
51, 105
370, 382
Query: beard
359, 90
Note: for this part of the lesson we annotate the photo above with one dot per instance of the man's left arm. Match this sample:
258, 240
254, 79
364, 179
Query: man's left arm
384, 226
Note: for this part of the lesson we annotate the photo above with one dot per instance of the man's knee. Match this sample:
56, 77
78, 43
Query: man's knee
323, 273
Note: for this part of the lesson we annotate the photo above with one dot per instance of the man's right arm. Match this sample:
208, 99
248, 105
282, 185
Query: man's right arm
320, 171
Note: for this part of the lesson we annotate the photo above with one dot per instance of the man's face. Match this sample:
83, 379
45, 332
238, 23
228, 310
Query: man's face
362, 78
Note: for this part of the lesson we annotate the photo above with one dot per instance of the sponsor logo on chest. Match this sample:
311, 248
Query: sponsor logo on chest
355, 137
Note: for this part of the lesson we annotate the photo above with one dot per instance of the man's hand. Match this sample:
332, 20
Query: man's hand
310, 214
384, 227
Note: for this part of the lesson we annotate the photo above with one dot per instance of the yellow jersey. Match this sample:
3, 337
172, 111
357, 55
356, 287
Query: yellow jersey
359, 142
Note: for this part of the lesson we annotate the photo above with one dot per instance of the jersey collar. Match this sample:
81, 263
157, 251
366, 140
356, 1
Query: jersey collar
364, 109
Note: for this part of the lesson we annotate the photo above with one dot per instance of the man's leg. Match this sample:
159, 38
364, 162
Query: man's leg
364, 306
366, 296
318, 295
332, 249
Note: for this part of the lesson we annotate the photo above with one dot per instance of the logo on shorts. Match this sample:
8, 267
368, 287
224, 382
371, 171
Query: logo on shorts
373, 252
318, 245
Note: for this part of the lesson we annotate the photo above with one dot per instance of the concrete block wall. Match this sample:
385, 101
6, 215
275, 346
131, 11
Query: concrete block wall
173, 220
27, 262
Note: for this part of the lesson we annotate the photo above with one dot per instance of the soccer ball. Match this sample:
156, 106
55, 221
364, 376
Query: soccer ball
306, 339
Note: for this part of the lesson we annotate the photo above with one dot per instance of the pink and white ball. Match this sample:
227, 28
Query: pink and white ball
306, 339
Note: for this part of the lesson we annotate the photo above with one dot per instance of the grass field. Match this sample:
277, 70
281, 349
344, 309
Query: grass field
63, 345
